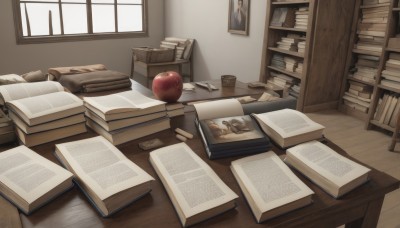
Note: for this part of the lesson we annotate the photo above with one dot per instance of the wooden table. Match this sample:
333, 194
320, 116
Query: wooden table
359, 208
199, 93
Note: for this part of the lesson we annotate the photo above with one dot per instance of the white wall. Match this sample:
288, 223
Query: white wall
114, 53
218, 52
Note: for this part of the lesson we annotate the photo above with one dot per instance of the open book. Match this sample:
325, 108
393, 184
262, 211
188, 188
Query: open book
289, 127
334, 173
48, 107
195, 190
24, 90
109, 179
226, 131
123, 105
270, 187
29, 180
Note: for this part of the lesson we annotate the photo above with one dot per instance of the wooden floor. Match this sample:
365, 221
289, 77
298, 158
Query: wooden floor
369, 147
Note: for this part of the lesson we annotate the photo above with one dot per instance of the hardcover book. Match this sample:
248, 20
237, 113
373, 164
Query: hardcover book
109, 179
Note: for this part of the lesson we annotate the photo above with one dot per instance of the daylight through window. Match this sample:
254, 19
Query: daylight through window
58, 20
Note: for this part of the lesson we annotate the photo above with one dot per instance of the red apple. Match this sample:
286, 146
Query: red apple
167, 86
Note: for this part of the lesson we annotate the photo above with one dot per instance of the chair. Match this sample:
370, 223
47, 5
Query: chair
150, 70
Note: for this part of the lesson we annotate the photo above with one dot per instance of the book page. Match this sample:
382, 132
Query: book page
270, 182
101, 166
327, 162
194, 184
28, 174
218, 109
130, 100
46, 104
23, 90
288, 122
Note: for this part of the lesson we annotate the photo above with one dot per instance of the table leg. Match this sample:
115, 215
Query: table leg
371, 216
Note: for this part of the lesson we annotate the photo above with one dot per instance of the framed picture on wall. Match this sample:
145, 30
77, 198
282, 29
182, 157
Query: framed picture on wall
238, 17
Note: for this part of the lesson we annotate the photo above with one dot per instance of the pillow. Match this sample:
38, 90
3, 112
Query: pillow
11, 79
35, 76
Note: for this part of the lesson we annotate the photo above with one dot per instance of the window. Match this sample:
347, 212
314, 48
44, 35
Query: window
40, 21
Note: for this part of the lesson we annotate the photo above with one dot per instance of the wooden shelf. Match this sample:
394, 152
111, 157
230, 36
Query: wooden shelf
383, 126
374, 5
389, 88
364, 52
292, 53
288, 29
293, 74
353, 112
392, 49
396, 9
360, 81
291, 2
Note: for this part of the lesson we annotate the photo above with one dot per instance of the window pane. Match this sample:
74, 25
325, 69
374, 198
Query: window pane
103, 1
103, 18
38, 14
75, 18
74, 1
39, 1
130, 1
129, 18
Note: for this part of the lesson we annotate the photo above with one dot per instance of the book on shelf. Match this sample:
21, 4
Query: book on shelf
391, 84
289, 127
109, 179
195, 190
390, 110
45, 181
269, 186
24, 90
396, 111
132, 132
226, 131
334, 173
123, 105
283, 17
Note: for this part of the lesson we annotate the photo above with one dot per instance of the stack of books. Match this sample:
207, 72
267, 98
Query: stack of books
289, 44
7, 133
388, 109
283, 17
295, 90
281, 80
175, 109
277, 61
301, 18
299, 68
301, 46
358, 96
42, 112
125, 116
366, 68
391, 74
290, 64
371, 31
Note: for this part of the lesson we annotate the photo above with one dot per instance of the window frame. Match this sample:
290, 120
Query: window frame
21, 39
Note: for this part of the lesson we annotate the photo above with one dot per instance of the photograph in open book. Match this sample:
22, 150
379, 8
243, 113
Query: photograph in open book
231, 129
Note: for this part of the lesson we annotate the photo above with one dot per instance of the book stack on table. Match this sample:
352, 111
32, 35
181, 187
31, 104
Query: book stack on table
7, 133
125, 116
43, 112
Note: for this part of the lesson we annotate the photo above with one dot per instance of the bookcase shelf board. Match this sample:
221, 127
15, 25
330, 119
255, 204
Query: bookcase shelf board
388, 88
396, 9
392, 49
383, 126
364, 52
361, 81
318, 65
374, 5
352, 112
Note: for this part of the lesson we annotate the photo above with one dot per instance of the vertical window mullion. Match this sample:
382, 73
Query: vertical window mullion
116, 15
61, 17
89, 16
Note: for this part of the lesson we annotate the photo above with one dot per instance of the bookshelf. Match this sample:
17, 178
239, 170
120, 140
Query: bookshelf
385, 85
323, 43
366, 58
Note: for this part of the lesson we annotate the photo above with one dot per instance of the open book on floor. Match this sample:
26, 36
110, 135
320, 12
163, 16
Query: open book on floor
123, 105
226, 131
334, 173
29, 180
270, 187
195, 190
289, 127
109, 179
